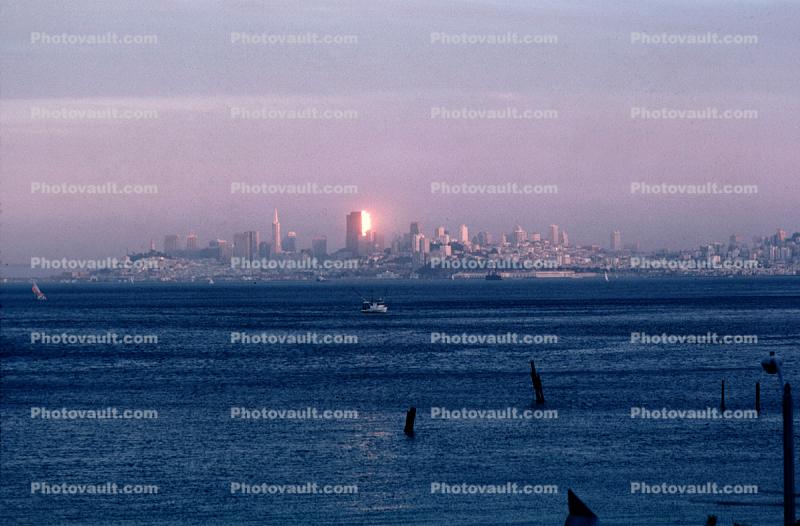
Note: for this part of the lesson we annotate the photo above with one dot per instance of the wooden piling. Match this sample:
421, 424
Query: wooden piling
722, 398
536, 380
758, 398
411, 415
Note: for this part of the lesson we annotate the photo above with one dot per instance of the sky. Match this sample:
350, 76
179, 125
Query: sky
392, 80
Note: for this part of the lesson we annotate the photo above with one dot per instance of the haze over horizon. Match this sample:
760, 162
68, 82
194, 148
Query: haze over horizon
395, 77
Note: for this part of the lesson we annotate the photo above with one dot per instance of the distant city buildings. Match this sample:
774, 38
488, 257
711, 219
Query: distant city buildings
353, 232
276, 235
616, 241
172, 243
246, 245
554, 234
191, 241
319, 247
438, 254
463, 234
290, 242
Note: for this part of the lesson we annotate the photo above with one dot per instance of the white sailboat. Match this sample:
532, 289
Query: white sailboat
38, 292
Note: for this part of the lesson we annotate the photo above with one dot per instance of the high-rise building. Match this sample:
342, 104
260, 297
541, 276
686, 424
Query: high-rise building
415, 229
353, 232
245, 245
241, 246
191, 241
781, 236
564, 238
319, 246
416, 243
616, 240
535, 237
554, 235
463, 234
172, 243
439, 233
290, 242
276, 235
518, 236
264, 249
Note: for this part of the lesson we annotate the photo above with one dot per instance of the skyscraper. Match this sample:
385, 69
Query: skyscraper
518, 236
245, 245
172, 243
276, 235
554, 235
241, 246
191, 241
616, 240
463, 234
415, 229
353, 233
290, 243
319, 246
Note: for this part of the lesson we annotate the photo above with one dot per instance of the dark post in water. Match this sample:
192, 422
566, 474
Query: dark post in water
537, 384
410, 416
788, 457
758, 398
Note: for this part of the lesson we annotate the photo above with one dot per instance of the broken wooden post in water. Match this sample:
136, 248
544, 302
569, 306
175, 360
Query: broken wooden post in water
410, 416
758, 398
722, 400
537, 384
579, 513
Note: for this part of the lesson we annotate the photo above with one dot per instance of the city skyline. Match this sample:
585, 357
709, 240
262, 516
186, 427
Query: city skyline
404, 91
339, 239
355, 231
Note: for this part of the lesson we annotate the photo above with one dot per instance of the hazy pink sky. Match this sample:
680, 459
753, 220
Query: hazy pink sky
392, 77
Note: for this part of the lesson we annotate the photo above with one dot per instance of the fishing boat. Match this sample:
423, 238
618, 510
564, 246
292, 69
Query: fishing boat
38, 292
374, 306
